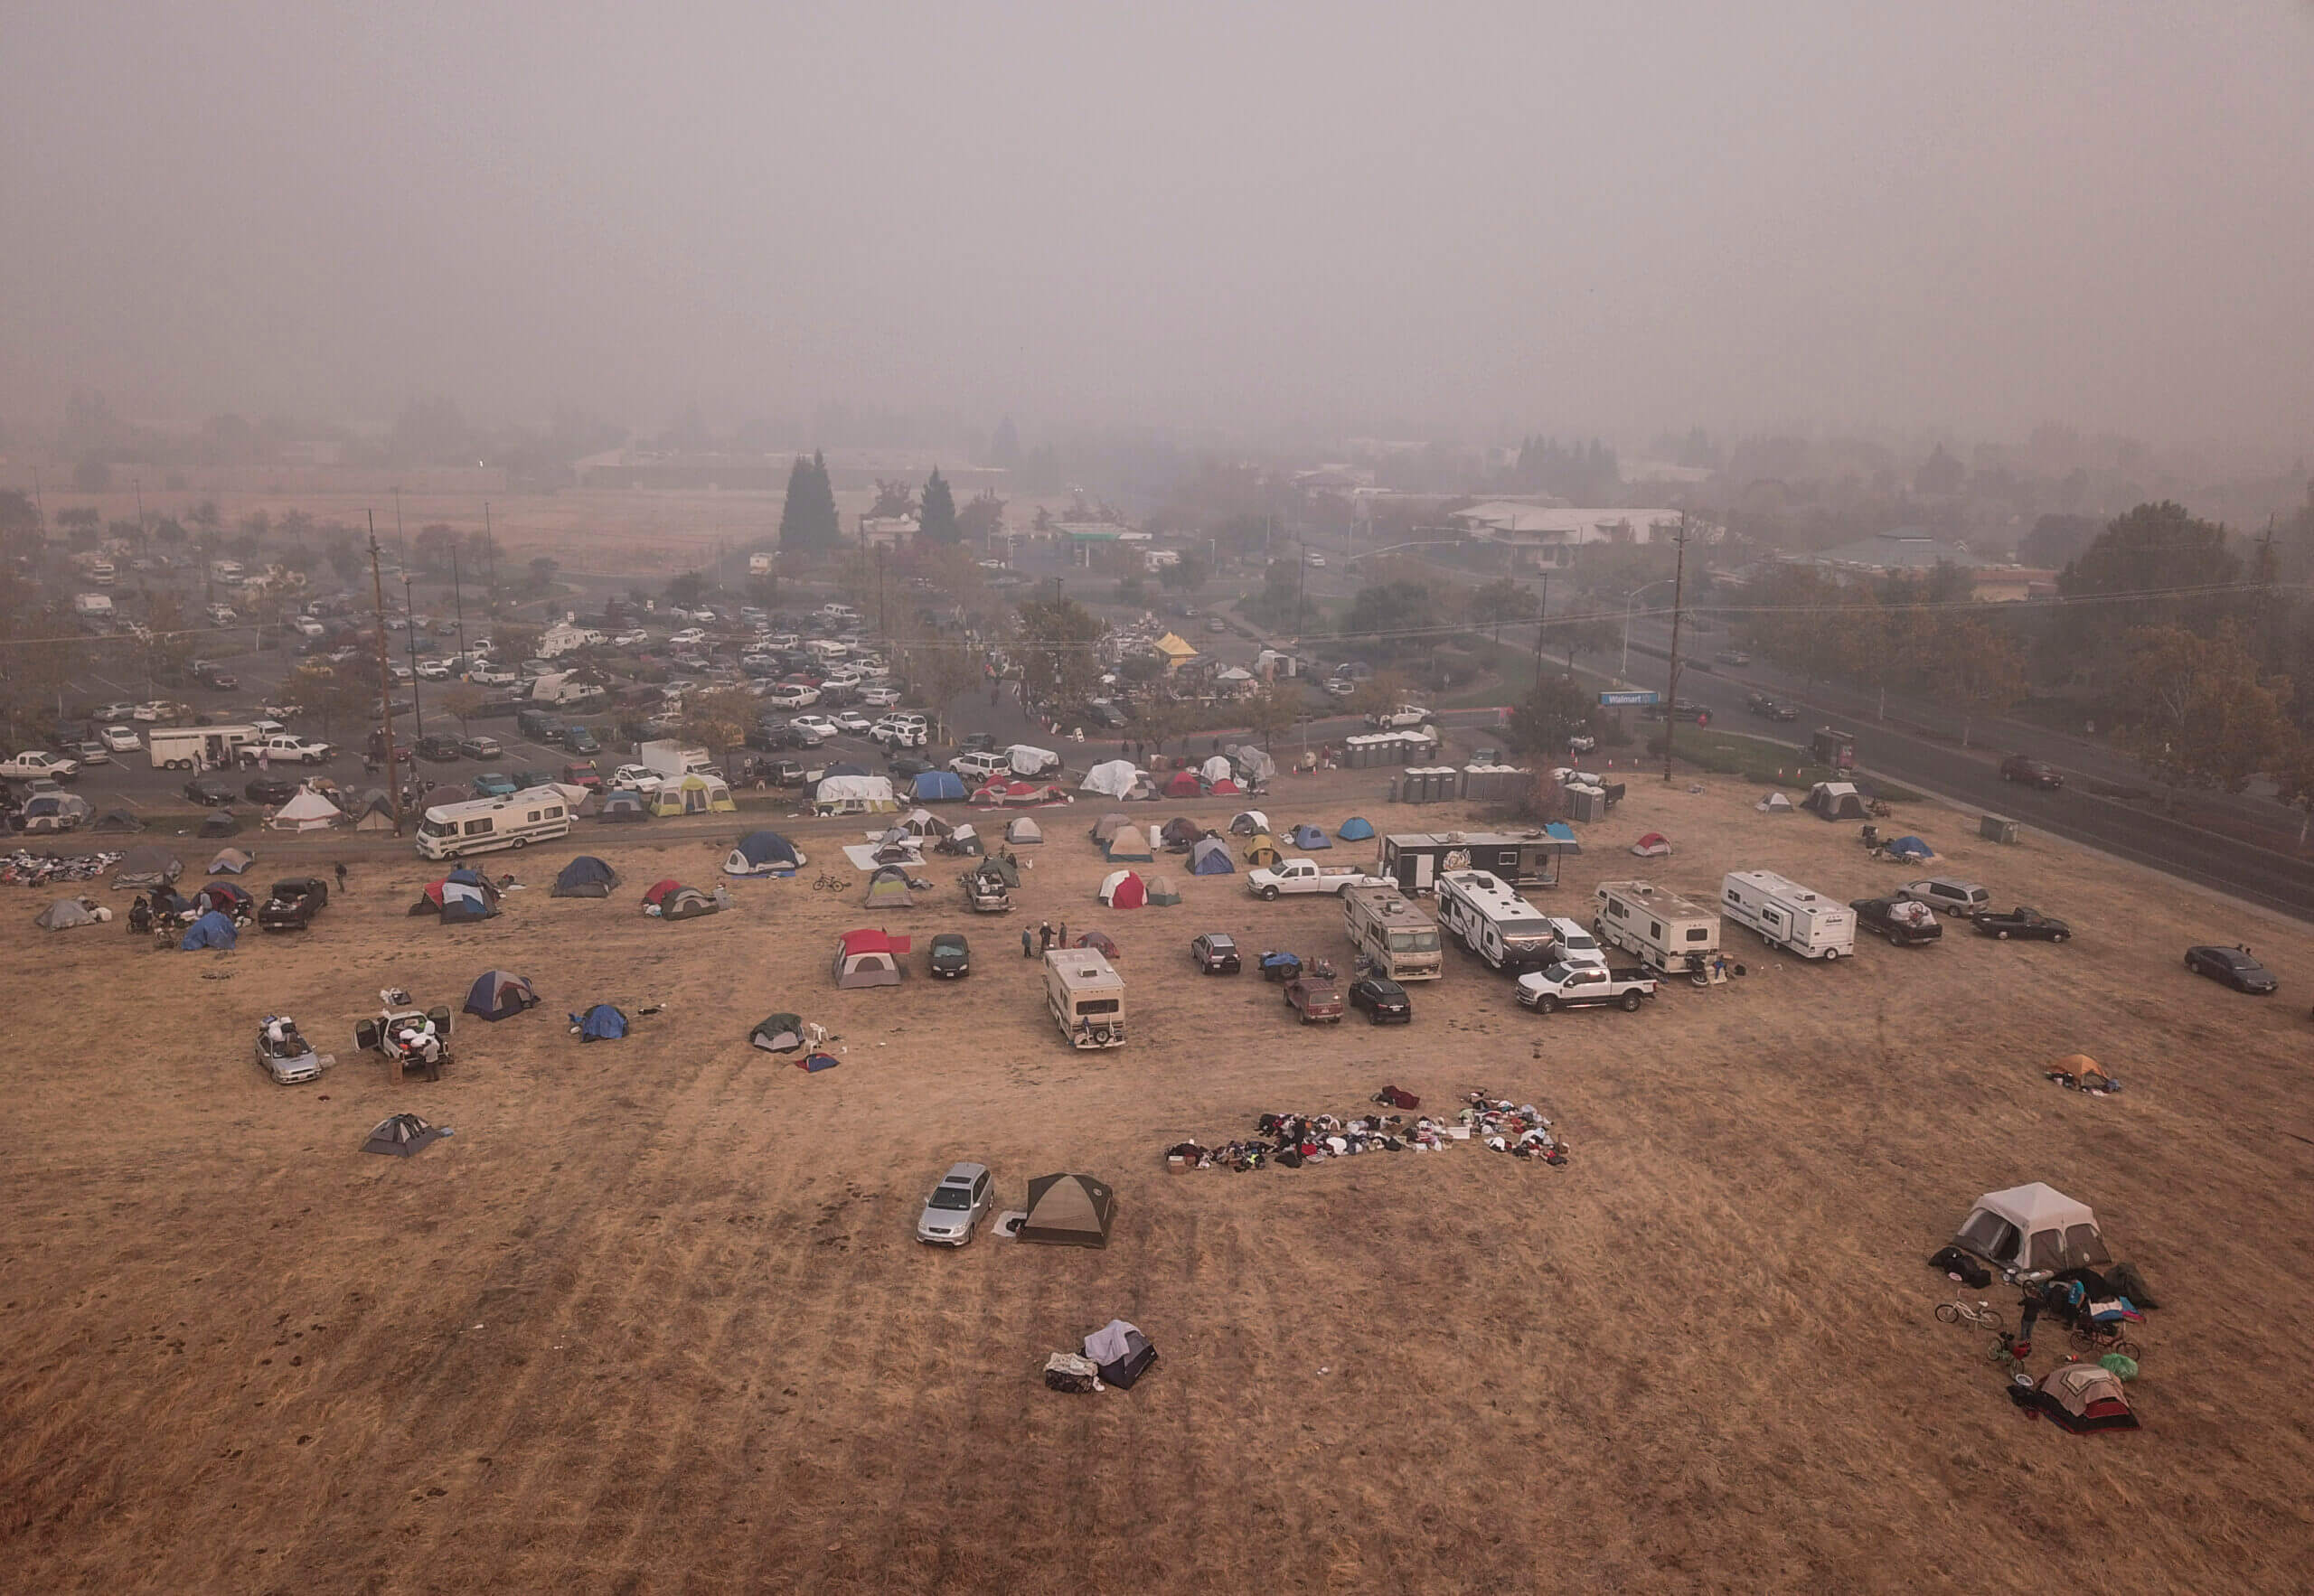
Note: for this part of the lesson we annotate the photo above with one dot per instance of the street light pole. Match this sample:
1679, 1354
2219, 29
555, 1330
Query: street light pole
1679, 602
410, 619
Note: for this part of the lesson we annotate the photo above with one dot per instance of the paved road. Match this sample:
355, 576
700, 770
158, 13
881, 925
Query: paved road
1972, 777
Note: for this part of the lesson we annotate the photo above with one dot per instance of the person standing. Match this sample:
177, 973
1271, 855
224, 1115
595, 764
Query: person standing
1027, 949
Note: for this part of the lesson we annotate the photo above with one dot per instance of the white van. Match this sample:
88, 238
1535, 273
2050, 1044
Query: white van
454, 830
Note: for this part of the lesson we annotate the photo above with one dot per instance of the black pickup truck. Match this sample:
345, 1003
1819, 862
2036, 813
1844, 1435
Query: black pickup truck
1905, 922
293, 904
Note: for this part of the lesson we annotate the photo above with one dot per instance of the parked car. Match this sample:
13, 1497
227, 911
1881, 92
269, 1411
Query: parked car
481, 747
979, 742
580, 739
293, 904
493, 783
956, 1205
2023, 925
853, 722
905, 767
120, 709
119, 739
1215, 954
266, 788
2033, 772
639, 778
210, 793
1905, 924
582, 773
524, 780
1944, 893
2233, 967
1315, 995
819, 726
440, 749
1384, 1000
951, 955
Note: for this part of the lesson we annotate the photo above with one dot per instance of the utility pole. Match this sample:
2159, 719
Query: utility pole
409, 616
385, 675
1542, 616
1678, 599
489, 551
401, 544
458, 603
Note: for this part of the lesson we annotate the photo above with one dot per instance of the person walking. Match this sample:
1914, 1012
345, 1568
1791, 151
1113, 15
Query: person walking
1027, 949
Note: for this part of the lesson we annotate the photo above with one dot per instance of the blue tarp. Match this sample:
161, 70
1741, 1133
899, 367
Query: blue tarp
937, 786
1911, 847
817, 1062
1209, 856
1355, 828
602, 1023
500, 994
1560, 832
213, 930
1308, 838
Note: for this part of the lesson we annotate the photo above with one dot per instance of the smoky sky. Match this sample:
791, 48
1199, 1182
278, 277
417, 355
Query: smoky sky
1484, 216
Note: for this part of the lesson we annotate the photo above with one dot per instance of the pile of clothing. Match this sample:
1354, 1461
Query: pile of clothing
1519, 1129
25, 869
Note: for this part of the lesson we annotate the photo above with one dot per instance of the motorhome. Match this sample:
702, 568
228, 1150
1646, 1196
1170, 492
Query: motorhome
1789, 915
1391, 934
1086, 997
1416, 860
199, 747
93, 606
1492, 920
1655, 925
454, 830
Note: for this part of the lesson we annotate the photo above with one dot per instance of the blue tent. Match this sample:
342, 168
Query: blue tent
213, 930
762, 853
1308, 838
500, 994
585, 876
602, 1023
626, 804
1910, 848
937, 786
1355, 828
1209, 856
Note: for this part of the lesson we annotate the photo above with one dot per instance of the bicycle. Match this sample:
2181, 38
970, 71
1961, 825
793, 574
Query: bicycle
2003, 1352
1983, 1315
827, 883
2100, 1339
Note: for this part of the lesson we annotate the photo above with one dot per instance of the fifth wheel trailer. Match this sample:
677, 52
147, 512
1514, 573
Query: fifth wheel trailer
1789, 915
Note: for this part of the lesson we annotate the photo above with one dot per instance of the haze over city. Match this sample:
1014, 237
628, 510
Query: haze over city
1488, 218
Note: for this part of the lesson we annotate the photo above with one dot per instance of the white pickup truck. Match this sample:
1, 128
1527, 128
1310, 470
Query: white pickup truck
1573, 986
33, 762
1301, 875
286, 749
1400, 718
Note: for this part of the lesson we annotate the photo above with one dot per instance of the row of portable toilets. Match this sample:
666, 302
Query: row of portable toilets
1385, 747
1444, 783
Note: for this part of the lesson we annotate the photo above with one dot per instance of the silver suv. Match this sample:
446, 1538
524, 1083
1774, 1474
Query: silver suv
956, 1205
1964, 898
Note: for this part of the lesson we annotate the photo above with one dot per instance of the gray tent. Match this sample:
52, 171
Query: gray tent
402, 1136
147, 867
118, 820
221, 822
373, 811
1069, 1210
232, 862
888, 888
64, 914
1108, 826
1023, 830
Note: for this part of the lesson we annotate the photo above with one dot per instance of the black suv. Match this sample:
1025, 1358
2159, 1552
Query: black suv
441, 750
272, 789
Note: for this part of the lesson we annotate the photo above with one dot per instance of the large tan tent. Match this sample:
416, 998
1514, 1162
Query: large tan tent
2033, 1226
1069, 1210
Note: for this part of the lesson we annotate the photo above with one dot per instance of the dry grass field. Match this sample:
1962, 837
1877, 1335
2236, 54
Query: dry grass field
653, 1319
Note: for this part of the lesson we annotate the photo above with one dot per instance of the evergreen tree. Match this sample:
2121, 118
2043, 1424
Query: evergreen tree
1005, 449
937, 520
807, 521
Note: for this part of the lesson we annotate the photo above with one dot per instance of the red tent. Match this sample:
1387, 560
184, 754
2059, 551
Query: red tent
658, 890
1224, 785
1094, 939
1654, 845
1124, 890
1184, 785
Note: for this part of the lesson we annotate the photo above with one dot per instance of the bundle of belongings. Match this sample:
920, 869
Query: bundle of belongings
1393, 1097
1521, 1131
1118, 1354
25, 868
2082, 1397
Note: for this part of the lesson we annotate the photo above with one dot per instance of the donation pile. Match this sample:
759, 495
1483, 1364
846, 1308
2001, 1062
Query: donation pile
1521, 1130
1118, 1354
25, 869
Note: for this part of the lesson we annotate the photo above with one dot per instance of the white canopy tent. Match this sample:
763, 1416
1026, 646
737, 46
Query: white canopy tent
1112, 779
306, 810
2033, 1226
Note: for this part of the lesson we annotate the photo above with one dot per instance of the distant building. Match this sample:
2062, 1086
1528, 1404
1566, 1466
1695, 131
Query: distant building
760, 565
1533, 536
1906, 548
888, 531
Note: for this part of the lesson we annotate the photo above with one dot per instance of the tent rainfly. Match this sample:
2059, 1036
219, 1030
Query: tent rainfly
778, 1033
402, 1136
232, 862
1128, 846
501, 994
624, 807
2033, 1226
869, 958
1022, 831
888, 888
937, 786
1184, 785
1308, 838
1355, 828
1217, 769
222, 896
585, 876
687, 903
925, 826
1250, 822
1069, 1210
1654, 845
1109, 825
377, 815
1162, 893
1262, 850
1836, 801
763, 853
1773, 803
1209, 856
1123, 890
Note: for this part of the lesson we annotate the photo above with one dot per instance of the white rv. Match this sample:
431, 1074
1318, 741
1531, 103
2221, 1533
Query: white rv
1788, 916
1086, 997
1391, 934
454, 830
1493, 921
1655, 926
